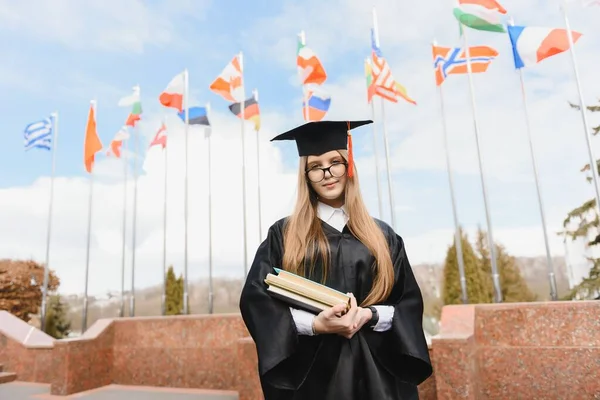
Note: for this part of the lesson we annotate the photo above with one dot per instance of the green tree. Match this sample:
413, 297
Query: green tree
514, 288
174, 293
477, 290
57, 324
582, 223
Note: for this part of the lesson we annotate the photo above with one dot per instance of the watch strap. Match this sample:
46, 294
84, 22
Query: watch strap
374, 317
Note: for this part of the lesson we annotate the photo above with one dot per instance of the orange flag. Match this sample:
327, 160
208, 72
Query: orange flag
92, 143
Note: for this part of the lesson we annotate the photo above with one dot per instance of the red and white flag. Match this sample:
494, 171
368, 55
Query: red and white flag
117, 142
172, 96
230, 83
160, 139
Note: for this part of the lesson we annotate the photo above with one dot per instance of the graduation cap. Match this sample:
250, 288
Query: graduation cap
318, 137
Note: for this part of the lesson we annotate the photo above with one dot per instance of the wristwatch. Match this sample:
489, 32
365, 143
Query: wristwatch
374, 317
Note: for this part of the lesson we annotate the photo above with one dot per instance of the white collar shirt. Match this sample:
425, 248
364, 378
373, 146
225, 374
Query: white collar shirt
336, 217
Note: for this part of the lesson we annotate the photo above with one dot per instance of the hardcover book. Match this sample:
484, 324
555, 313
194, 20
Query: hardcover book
302, 293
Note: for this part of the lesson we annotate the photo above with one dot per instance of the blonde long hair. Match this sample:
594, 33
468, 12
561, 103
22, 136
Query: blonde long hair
303, 232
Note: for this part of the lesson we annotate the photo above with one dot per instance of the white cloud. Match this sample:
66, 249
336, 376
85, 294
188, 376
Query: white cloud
417, 130
126, 25
24, 210
336, 29
526, 241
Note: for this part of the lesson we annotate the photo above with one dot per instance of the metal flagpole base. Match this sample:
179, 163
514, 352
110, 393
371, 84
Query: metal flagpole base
43, 315
132, 306
497, 288
463, 286
84, 316
553, 289
185, 303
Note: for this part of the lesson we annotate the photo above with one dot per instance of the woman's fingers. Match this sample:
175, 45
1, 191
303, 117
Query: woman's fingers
338, 309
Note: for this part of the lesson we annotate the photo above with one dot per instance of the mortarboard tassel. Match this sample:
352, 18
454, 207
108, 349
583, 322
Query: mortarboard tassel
350, 155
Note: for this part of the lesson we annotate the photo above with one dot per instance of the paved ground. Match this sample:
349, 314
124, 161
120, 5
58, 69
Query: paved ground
29, 391
18, 391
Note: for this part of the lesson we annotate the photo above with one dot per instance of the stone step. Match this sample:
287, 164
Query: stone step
6, 377
130, 392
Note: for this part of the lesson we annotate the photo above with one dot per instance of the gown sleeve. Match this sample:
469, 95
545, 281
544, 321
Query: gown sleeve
284, 357
402, 349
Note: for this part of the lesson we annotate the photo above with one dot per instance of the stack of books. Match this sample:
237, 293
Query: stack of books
302, 293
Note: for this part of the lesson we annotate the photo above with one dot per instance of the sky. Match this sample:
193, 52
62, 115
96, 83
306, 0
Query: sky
59, 55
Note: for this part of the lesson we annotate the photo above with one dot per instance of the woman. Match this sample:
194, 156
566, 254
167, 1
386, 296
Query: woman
377, 349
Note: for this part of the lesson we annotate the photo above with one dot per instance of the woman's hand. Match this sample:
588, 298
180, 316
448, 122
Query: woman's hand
331, 321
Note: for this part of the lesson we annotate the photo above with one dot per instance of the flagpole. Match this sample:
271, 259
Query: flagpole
582, 107
550, 266
570, 275
186, 127
210, 257
255, 94
387, 162
495, 275
94, 104
47, 265
243, 106
385, 137
134, 228
124, 245
379, 198
305, 111
163, 298
457, 231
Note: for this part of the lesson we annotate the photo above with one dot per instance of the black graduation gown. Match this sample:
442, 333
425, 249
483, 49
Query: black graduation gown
370, 366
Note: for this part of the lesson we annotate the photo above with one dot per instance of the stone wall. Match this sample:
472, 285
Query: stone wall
26, 350
547, 350
494, 351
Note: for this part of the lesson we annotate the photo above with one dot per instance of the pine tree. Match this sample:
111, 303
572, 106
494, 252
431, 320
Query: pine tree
477, 292
582, 223
482, 252
174, 293
57, 324
513, 286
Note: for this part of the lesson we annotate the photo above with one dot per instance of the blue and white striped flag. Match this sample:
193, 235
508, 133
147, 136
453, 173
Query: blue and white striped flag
38, 135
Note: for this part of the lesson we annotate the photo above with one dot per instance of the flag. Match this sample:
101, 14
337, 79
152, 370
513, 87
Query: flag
172, 96
38, 135
318, 105
92, 143
117, 142
133, 101
402, 92
384, 82
531, 45
453, 60
483, 15
229, 84
251, 111
310, 68
160, 139
370, 81
196, 116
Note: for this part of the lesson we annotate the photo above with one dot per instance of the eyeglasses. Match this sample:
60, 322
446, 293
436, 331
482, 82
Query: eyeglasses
336, 170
